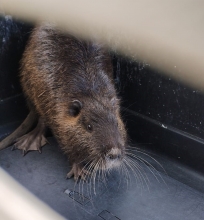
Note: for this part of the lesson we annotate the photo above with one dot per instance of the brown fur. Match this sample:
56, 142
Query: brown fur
57, 69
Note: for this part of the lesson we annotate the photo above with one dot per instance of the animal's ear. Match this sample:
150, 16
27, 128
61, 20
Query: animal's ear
74, 108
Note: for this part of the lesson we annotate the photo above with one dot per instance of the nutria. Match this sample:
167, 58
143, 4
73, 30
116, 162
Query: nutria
69, 86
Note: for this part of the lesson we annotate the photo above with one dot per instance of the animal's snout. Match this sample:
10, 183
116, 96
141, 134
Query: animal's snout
114, 154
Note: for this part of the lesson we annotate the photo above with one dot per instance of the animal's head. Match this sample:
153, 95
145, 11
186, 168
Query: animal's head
95, 134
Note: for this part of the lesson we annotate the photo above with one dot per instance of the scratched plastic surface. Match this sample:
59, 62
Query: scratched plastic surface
153, 196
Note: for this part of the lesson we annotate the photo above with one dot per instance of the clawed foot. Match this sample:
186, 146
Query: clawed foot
30, 142
34, 140
78, 172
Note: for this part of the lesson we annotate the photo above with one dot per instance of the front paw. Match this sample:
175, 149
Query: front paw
78, 172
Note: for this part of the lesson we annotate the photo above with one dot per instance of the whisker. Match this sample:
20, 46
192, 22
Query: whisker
146, 163
140, 171
150, 167
156, 161
81, 183
89, 171
139, 167
92, 169
134, 173
103, 169
94, 176
85, 159
119, 169
126, 172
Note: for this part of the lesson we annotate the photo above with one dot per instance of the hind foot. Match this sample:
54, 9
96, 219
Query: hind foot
78, 172
34, 140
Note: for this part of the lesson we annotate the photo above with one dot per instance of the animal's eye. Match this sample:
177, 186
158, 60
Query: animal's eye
89, 127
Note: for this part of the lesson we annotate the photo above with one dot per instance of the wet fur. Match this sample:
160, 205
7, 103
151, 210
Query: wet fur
57, 69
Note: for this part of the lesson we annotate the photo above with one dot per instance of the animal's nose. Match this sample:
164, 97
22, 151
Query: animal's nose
114, 156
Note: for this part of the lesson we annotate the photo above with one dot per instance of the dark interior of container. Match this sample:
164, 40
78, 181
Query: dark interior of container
164, 119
